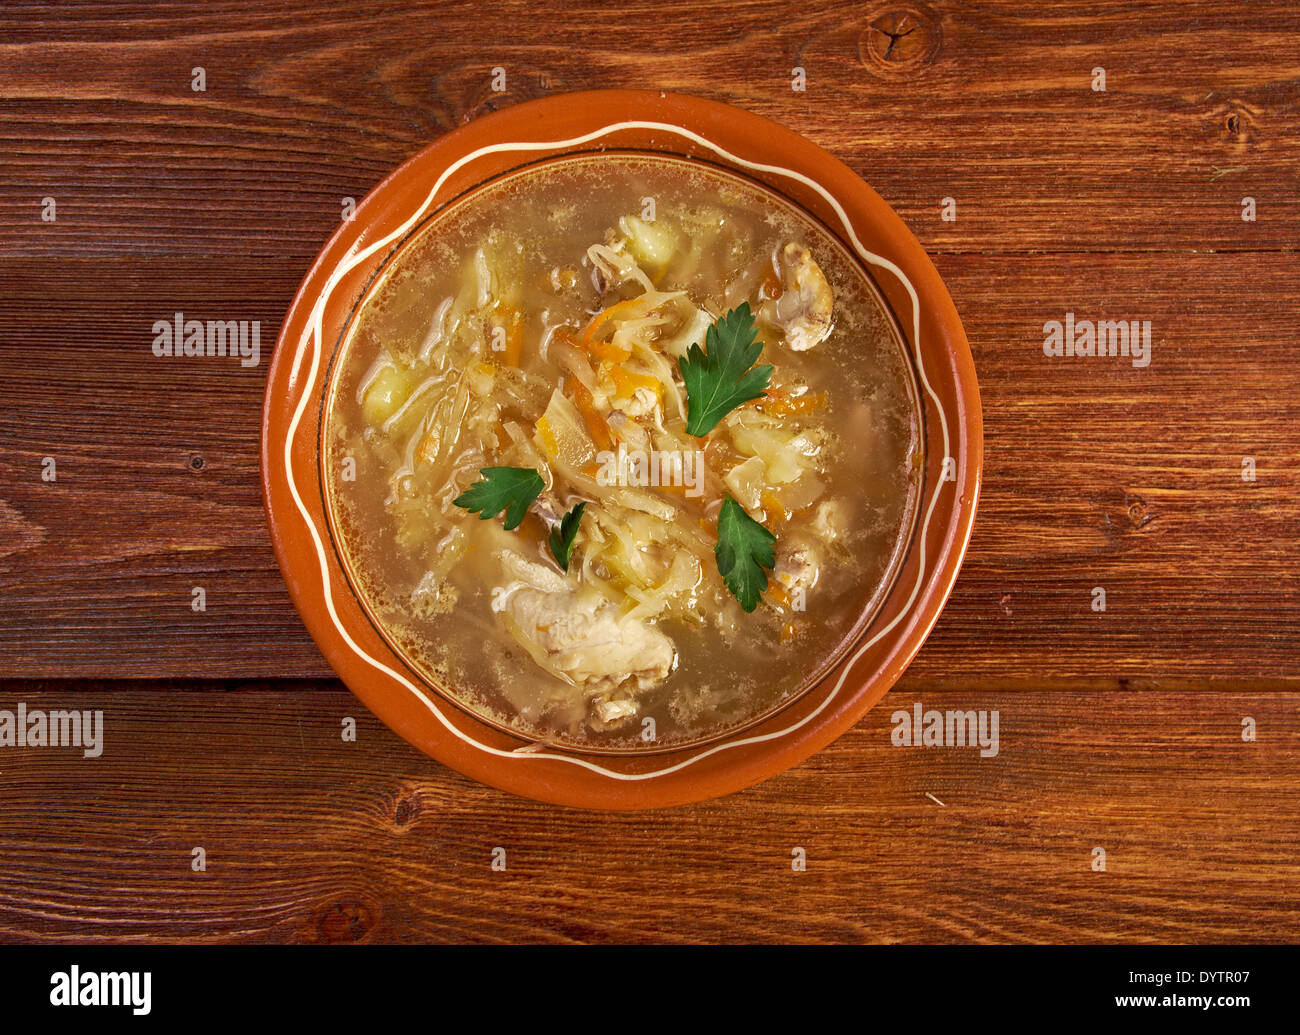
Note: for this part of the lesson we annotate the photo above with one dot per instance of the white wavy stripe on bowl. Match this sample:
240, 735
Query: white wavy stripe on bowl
308, 391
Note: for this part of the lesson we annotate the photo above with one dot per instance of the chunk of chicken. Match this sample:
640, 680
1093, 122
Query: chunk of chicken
624, 429
582, 635
608, 713
804, 311
643, 403
798, 565
532, 575
548, 507
830, 521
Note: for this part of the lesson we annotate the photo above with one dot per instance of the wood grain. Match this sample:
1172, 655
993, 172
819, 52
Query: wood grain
1119, 730
309, 838
306, 103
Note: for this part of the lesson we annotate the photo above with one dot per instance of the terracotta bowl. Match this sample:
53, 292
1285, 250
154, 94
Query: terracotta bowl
692, 130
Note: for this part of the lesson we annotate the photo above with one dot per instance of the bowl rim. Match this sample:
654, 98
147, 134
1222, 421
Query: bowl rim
742, 143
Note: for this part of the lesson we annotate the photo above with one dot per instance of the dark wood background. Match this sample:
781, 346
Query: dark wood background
1119, 730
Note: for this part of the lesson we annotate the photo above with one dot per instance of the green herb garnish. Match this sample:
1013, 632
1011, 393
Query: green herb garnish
744, 549
719, 380
561, 538
511, 489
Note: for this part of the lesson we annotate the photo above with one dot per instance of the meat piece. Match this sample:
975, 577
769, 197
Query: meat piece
804, 310
548, 508
627, 431
797, 566
608, 713
643, 403
830, 520
532, 575
587, 639
582, 635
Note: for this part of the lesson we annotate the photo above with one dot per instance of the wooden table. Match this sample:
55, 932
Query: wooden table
1120, 730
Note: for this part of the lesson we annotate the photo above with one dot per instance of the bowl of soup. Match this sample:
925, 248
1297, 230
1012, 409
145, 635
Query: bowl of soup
621, 449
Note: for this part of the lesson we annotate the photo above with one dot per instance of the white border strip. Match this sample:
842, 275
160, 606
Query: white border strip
309, 391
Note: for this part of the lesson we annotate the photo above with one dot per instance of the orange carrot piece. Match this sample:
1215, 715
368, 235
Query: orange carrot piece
771, 286
594, 421
778, 401
608, 350
605, 315
627, 382
566, 334
515, 338
591, 340
773, 505
808, 402
547, 435
768, 398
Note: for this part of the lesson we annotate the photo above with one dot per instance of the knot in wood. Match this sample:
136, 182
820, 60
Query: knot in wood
1139, 513
900, 41
347, 920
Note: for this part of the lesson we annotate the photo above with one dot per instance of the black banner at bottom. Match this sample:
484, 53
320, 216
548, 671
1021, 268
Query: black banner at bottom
170, 984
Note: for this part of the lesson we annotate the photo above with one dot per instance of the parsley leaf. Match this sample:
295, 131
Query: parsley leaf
721, 379
511, 489
744, 549
561, 539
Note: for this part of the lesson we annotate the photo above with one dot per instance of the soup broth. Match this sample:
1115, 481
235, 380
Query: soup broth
566, 487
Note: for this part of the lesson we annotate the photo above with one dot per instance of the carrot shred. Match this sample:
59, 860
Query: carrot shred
766, 401
608, 350
605, 315
594, 344
772, 504
566, 334
547, 435
628, 382
515, 338
595, 422
779, 402
771, 285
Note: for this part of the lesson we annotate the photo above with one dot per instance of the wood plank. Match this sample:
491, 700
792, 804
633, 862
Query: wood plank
1097, 474
312, 839
989, 103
